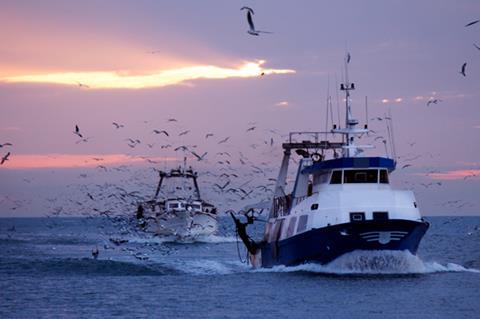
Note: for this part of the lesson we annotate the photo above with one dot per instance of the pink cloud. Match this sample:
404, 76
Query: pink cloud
26, 161
455, 174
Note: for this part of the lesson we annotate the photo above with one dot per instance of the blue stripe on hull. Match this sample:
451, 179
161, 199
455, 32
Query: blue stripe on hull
325, 244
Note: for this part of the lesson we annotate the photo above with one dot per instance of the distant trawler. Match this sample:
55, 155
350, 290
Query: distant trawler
177, 208
337, 205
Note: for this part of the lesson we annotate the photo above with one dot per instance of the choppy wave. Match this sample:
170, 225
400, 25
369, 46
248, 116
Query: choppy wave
78, 266
209, 239
375, 262
208, 267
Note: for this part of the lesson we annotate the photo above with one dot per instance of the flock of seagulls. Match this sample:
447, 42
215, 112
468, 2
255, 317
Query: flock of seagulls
231, 183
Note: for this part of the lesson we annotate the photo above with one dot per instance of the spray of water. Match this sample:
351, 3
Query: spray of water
375, 262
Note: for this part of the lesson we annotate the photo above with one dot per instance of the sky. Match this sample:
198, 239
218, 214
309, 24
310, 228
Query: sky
141, 63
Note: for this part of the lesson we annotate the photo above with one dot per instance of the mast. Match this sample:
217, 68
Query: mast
350, 149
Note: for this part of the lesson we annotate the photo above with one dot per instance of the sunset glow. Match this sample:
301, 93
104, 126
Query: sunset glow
30, 161
161, 78
456, 174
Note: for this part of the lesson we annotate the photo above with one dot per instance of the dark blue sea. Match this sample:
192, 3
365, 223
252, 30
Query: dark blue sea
47, 271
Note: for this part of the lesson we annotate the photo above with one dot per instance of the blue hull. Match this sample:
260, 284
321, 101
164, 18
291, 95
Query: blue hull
326, 244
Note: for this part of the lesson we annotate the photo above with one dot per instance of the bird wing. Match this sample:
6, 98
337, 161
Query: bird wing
250, 21
476, 46
248, 8
472, 23
77, 129
196, 155
464, 66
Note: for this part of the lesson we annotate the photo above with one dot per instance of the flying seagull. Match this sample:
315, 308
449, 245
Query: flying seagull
183, 148
5, 158
184, 133
5, 144
77, 131
252, 30
82, 85
434, 101
464, 66
349, 57
224, 140
117, 126
208, 135
199, 157
161, 132
472, 23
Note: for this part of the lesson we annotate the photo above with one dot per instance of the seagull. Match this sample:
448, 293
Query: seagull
5, 158
95, 253
476, 46
224, 140
117, 126
252, 30
464, 66
183, 148
472, 23
251, 128
434, 101
5, 144
77, 131
83, 85
208, 135
199, 157
84, 140
172, 120
161, 132
222, 187
349, 57
184, 133
406, 165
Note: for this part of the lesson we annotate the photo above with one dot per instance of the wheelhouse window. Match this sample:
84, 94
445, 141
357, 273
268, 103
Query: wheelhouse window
336, 177
360, 176
302, 223
321, 178
383, 176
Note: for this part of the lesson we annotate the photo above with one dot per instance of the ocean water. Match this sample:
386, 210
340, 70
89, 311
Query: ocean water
47, 271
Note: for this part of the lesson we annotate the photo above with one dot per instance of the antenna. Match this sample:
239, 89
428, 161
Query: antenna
328, 98
393, 137
338, 102
366, 112
389, 133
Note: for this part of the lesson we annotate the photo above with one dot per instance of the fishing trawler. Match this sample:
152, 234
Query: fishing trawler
338, 205
177, 208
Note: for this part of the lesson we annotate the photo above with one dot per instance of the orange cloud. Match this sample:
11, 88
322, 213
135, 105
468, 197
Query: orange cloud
117, 80
455, 174
396, 100
27, 161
